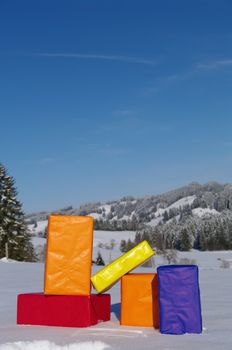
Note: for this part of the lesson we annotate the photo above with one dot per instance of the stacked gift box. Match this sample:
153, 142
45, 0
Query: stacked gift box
67, 300
168, 300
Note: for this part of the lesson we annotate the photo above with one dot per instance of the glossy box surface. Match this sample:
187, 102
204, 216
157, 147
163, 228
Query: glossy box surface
179, 299
62, 310
69, 255
110, 274
139, 300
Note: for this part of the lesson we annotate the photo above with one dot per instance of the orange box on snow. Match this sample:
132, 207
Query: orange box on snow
139, 300
69, 255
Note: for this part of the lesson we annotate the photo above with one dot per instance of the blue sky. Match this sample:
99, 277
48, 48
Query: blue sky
101, 99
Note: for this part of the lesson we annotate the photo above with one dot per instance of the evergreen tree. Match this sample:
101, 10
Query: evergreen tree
123, 246
13, 229
197, 243
129, 245
184, 240
165, 216
138, 238
145, 236
99, 260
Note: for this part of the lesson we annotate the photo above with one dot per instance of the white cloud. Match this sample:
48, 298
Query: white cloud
128, 59
165, 82
214, 65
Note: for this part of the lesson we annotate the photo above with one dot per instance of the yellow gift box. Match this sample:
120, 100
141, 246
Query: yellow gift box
110, 274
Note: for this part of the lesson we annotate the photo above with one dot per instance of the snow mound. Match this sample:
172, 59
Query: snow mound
47, 345
5, 260
95, 216
204, 212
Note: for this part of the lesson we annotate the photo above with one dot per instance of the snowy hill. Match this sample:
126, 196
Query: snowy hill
202, 210
129, 212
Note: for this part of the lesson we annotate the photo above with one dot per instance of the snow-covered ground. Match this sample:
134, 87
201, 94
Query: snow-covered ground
216, 295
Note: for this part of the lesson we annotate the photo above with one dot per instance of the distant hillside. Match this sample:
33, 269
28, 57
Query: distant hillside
194, 216
128, 213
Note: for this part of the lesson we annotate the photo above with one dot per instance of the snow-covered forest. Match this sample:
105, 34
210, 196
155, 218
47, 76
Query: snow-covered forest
194, 216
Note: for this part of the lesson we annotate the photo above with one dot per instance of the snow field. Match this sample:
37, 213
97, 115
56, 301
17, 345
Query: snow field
216, 289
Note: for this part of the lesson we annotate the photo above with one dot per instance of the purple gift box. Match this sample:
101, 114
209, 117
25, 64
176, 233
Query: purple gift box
179, 299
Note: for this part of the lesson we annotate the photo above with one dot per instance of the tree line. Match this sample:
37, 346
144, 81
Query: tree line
15, 240
210, 233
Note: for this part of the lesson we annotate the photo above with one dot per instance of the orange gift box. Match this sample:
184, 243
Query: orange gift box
69, 255
139, 300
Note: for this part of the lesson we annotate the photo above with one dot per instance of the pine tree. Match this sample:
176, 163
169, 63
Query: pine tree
123, 246
137, 238
99, 260
13, 229
129, 245
185, 242
165, 216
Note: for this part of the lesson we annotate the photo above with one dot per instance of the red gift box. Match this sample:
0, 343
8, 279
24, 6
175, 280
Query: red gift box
63, 310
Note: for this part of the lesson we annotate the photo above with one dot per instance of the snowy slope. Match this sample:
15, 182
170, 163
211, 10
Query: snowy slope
178, 204
106, 209
182, 202
155, 221
201, 212
215, 283
143, 210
